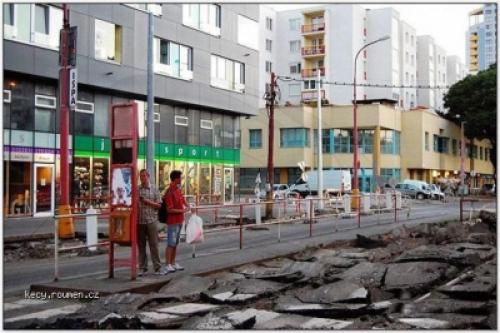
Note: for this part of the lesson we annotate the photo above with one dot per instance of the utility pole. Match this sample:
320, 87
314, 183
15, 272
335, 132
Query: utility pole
462, 157
320, 146
150, 160
66, 227
270, 165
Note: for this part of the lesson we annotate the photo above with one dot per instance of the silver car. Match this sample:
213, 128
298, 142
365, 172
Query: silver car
413, 191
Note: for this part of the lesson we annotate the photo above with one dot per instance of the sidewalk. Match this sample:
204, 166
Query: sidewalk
216, 262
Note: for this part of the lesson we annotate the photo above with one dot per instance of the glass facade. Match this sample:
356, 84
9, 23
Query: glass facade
294, 137
203, 144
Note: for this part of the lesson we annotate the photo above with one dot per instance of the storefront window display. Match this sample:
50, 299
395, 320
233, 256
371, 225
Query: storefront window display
100, 181
191, 179
81, 181
217, 183
205, 183
165, 167
19, 194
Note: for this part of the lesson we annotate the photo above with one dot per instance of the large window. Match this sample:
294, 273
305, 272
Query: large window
295, 46
108, 38
173, 59
366, 141
228, 131
294, 137
426, 141
153, 8
227, 74
38, 24
206, 129
326, 141
435, 143
269, 67
248, 33
84, 113
269, 23
255, 138
390, 142
22, 106
269, 45
294, 24
204, 17
342, 141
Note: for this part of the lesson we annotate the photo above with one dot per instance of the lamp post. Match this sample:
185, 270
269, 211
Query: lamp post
355, 186
320, 148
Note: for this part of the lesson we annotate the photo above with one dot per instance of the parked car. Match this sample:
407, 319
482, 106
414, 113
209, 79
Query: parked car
488, 189
413, 190
436, 192
280, 191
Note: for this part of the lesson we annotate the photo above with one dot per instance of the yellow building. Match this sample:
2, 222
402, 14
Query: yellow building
397, 144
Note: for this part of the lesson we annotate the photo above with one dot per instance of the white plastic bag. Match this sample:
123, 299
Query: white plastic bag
194, 230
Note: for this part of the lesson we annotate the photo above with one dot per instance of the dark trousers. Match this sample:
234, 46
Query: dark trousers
148, 232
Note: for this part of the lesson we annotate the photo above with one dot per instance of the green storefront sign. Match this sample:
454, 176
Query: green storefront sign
86, 146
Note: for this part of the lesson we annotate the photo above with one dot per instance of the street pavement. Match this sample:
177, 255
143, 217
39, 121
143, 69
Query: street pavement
219, 251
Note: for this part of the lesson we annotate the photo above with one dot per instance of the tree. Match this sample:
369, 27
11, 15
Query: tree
474, 100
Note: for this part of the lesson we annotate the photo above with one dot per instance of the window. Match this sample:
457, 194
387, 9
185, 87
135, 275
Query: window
294, 137
248, 33
228, 131
227, 74
269, 67
412, 60
295, 68
45, 109
436, 143
42, 19
366, 141
107, 41
8, 14
443, 145
269, 23
389, 142
181, 121
309, 84
33, 23
412, 40
173, 59
6, 96
326, 143
342, 141
295, 46
480, 153
294, 89
294, 24
454, 147
255, 138
486, 154
149, 7
204, 17
474, 151
206, 124
407, 57
269, 45
206, 129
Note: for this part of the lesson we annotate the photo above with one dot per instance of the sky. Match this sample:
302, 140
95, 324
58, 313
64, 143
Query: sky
447, 23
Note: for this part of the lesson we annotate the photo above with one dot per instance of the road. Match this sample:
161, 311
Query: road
20, 275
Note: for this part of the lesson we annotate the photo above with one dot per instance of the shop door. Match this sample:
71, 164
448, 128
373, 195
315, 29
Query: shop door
228, 185
44, 190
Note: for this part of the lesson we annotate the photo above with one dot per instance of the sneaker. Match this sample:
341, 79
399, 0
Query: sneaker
171, 268
161, 271
178, 267
142, 272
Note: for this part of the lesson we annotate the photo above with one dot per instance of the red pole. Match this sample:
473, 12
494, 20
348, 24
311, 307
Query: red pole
241, 227
111, 260
461, 210
66, 229
395, 210
359, 211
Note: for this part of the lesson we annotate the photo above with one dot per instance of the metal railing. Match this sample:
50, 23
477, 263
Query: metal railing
308, 28
312, 72
313, 50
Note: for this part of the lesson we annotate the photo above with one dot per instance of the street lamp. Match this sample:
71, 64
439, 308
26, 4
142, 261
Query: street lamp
355, 187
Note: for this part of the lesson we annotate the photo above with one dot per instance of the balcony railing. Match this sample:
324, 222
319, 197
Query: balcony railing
312, 95
313, 72
313, 50
309, 28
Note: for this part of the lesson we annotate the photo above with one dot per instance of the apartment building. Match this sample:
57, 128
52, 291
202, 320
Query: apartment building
268, 46
395, 144
206, 77
481, 38
431, 71
455, 69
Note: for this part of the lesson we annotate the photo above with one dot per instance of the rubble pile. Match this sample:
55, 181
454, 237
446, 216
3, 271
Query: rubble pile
425, 277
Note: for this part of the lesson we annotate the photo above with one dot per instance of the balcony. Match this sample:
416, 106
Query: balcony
473, 37
312, 96
313, 51
313, 28
312, 72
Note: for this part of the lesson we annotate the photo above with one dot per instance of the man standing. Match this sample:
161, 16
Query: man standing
176, 207
147, 226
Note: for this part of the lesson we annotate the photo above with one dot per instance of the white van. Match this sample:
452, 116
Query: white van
334, 181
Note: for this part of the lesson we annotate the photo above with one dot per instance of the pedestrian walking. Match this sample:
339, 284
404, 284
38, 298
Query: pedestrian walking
176, 207
147, 229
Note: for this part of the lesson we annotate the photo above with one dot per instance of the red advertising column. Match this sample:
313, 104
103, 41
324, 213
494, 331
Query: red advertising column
124, 191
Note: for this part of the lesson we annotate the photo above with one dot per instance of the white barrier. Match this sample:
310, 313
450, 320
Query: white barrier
91, 228
365, 203
398, 200
347, 204
388, 201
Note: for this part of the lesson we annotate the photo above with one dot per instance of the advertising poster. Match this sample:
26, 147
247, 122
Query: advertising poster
122, 187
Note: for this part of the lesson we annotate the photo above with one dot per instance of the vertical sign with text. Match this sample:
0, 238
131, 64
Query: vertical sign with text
73, 88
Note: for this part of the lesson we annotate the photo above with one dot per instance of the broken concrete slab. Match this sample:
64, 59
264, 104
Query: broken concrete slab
187, 309
45, 314
277, 263
307, 269
208, 322
293, 305
369, 242
366, 273
284, 322
272, 274
355, 255
414, 276
447, 305
337, 262
259, 287
481, 288
187, 287
445, 254
426, 323
160, 320
324, 324
336, 292
241, 319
